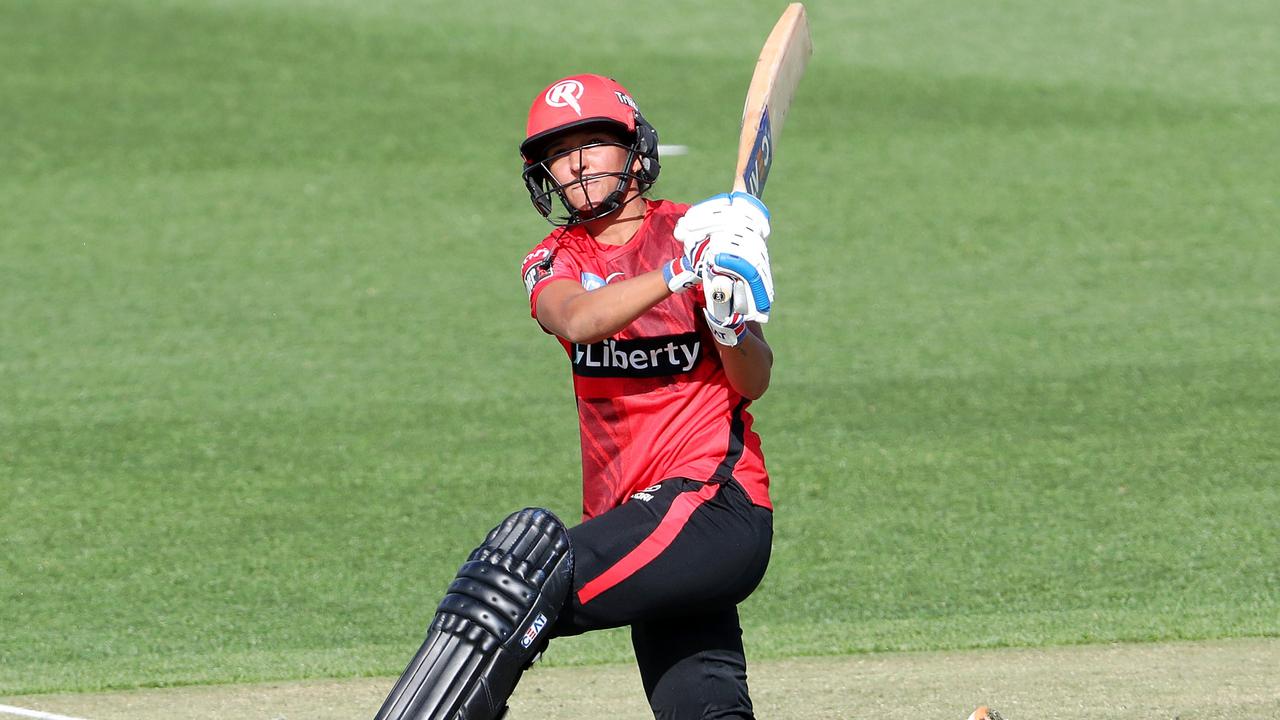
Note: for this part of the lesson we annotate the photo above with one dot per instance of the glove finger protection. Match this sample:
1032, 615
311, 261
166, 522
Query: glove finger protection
733, 212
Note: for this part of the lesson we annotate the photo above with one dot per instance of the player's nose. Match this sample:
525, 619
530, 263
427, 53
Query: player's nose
577, 161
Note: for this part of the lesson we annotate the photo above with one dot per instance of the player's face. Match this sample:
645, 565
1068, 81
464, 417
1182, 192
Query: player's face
587, 162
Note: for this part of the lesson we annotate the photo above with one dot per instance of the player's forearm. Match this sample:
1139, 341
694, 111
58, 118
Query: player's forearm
749, 364
598, 314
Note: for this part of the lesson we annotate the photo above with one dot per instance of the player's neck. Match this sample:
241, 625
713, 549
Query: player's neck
619, 227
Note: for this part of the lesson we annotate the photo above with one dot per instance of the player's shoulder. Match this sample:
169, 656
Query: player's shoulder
544, 250
662, 216
550, 241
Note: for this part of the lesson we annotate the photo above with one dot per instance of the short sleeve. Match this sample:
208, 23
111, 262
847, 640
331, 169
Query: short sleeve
542, 266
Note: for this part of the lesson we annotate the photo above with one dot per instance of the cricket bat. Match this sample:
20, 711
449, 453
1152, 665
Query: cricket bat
778, 70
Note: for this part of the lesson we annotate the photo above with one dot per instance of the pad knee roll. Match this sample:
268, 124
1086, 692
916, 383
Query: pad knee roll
491, 623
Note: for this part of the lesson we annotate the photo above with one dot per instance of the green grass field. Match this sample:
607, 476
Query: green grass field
267, 372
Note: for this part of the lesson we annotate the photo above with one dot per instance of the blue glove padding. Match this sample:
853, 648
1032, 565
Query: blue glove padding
749, 281
760, 298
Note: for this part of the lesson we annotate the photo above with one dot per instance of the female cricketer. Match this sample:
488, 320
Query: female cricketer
677, 526
677, 522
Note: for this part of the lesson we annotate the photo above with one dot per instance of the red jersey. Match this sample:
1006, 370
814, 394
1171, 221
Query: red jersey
653, 400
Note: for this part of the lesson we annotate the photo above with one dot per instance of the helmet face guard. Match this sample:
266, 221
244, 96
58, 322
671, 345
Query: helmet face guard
543, 186
574, 103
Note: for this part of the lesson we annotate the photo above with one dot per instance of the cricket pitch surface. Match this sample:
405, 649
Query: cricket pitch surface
1235, 679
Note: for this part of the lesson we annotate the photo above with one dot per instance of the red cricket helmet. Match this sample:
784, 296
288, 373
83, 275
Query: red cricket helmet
574, 102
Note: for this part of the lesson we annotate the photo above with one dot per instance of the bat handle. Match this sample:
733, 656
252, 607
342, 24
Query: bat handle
721, 295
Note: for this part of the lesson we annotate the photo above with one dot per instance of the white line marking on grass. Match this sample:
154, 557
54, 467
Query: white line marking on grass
11, 710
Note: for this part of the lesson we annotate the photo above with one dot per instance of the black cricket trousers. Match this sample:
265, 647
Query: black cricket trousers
673, 562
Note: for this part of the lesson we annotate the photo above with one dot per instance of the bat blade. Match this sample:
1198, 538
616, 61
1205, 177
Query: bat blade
778, 71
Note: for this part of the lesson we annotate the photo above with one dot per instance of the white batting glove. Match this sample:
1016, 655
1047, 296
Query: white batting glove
736, 212
737, 277
684, 272
737, 226
727, 331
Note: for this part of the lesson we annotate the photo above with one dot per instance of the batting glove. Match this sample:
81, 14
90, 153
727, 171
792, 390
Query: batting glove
685, 271
728, 331
736, 212
740, 270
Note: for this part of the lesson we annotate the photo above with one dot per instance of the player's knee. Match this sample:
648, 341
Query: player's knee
517, 580
491, 623
696, 704
716, 692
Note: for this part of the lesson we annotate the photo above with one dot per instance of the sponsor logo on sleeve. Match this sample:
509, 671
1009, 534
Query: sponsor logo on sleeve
640, 358
537, 267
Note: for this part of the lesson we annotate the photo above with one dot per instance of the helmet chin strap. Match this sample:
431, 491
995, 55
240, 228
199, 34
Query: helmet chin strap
609, 205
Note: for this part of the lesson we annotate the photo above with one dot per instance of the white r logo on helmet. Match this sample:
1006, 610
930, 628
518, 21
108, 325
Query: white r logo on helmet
565, 94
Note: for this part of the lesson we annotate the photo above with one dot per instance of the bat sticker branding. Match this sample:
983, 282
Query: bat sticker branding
761, 156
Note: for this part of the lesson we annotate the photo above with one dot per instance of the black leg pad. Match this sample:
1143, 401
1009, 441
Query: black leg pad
490, 625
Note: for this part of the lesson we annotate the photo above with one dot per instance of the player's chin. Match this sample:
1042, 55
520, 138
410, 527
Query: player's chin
587, 201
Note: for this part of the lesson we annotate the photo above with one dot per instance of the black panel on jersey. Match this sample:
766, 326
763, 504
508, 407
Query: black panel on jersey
641, 357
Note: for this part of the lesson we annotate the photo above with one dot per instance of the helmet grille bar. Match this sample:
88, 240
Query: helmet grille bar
542, 185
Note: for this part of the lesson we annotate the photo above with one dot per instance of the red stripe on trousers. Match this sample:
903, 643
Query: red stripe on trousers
651, 547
